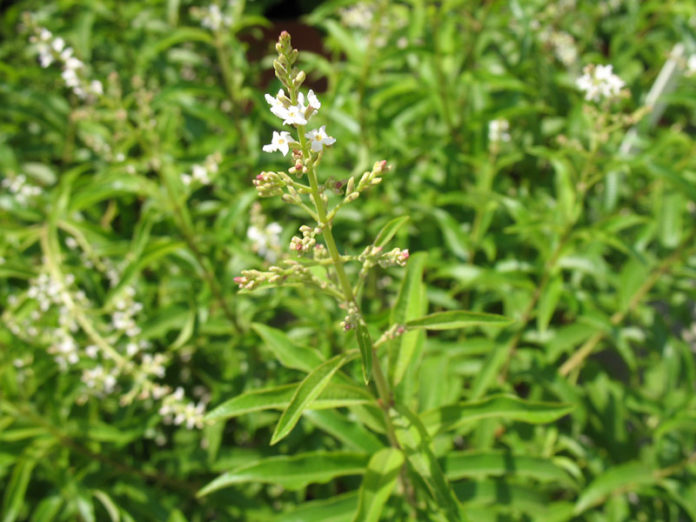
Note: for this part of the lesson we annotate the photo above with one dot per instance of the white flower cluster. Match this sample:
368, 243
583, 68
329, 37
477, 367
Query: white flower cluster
64, 349
498, 130
201, 173
54, 49
266, 241
358, 16
297, 114
214, 19
599, 82
122, 319
175, 410
19, 187
48, 291
99, 380
562, 44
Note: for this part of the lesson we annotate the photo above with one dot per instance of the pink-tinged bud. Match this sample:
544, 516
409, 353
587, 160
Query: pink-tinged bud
298, 165
261, 177
378, 249
240, 280
405, 255
348, 326
298, 247
400, 330
284, 34
338, 185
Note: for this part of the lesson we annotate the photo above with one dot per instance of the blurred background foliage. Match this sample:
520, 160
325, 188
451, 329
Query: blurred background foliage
588, 247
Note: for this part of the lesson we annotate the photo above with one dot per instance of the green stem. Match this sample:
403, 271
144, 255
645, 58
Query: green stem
380, 381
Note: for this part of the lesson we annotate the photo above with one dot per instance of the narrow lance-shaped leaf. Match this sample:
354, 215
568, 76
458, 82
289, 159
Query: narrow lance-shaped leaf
335, 395
285, 351
338, 508
292, 472
454, 319
463, 464
308, 390
502, 406
365, 344
415, 442
353, 434
389, 230
410, 303
378, 483
16, 489
624, 477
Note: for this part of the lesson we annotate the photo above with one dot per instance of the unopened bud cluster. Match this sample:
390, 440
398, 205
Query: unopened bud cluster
306, 242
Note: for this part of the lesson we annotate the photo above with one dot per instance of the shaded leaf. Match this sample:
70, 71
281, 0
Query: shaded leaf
378, 483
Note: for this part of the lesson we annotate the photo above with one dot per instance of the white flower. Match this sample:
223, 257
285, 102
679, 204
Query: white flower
294, 115
97, 88
266, 242
58, 44
200, 173
277, 106
498, 130
214, 19
320, 138
281, 141
599, 81
313, 100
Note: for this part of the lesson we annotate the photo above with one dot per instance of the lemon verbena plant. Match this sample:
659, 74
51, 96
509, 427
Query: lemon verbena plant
373, 410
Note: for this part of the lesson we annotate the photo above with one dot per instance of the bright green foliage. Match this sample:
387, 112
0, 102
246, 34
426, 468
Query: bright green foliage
478, 303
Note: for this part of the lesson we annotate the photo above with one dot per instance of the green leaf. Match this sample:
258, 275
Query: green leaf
108, 504
278, 398
47, 509
289, 355
365, 344
454, 319
548, 302
378, 483
500, 406
308, 390
410, 303
293, 472
416, 444
624, 477
339, 508
389, 230
349, 432
458, 465
16, 488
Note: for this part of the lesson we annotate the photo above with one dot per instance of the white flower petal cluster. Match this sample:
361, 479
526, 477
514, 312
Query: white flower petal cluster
319, 138
281, 141
201, 173
358, 16
266, 242
19, 187
54, 49
47, 291
498, 130
214, 19
175, 410
99, 380
296, 114
599, 82
123, 318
